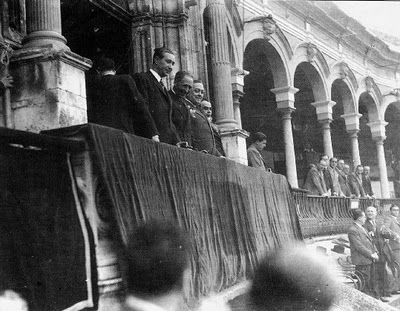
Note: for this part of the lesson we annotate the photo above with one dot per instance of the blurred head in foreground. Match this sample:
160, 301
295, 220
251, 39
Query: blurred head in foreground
12, 301
293, 279
158, 260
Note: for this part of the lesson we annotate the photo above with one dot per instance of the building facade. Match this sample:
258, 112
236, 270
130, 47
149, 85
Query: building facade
310, 77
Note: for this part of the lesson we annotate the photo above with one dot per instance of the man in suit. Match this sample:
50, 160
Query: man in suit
343, 171
331, 178
355, 182
151, 86
118, 103
363, 251
206, 108
201, 130
366, 184
393, 224
315, 180
255, 159
379, 281
183, 82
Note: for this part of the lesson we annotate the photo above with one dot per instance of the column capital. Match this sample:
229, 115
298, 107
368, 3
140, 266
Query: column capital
237, 81
285, 96
324, 110
378, 129
325, 123
353, 133
351, 121
286, 112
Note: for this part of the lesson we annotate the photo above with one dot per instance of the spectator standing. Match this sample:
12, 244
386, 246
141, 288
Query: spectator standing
366, 184
119, 104
343, 171
393, 224
255, 159
331, 178
157, 267
150, 85
206, 108
183, 82
201, 130
315, 180
380, 287
355, 182
363, 251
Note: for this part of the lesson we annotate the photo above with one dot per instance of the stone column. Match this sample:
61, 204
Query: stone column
352, 127
378, 135
237, 85
324, 112
221, 69
51, 89
285, 105
43, 24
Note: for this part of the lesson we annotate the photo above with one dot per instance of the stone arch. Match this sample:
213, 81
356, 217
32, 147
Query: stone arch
390, 99
315, 67
369, 94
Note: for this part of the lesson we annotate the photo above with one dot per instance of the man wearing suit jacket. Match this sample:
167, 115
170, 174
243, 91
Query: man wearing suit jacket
343, 171
366, 184
355, 182
374, 227
363, 251
314, 182
393, 224
118, 103
151, 87
183, 82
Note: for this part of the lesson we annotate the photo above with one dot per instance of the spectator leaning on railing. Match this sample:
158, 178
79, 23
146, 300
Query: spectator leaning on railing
315, 183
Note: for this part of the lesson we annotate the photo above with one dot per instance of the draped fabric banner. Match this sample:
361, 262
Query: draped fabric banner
234, 213
44, 244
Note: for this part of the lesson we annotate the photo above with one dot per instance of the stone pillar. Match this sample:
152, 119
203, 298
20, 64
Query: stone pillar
43, 24
378, 135
352, 127
285, 105
324, 112
220, 62
50, 79
237, 85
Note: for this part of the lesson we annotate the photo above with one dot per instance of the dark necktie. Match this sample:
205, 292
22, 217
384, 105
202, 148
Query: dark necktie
162, 85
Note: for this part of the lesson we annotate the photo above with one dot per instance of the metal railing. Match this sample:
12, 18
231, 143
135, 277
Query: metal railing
319, 216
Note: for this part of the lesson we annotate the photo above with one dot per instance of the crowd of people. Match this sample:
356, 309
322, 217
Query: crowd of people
375, 251
141, 104
332, 177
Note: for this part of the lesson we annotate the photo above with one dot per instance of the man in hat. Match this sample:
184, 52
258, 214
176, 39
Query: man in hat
379, 281
150, 85
363, 251
118, 103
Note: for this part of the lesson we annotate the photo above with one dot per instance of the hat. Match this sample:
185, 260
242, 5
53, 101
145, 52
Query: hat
338, 249
105, 64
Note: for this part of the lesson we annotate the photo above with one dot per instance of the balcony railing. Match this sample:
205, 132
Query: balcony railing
319, 216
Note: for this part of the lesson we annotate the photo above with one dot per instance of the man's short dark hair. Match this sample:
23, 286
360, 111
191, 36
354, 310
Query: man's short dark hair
198, 81
105, 64
293, 280
159, 53
258, 137
359, 166
322, 156
356, 214
158, 254
180, 75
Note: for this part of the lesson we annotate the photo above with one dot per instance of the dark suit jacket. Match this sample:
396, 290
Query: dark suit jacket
181, 117
118, 104
367, 185
343, 181
255, 159
355, 185
315, 182
393, 225
217, 139
375, 234
361, 245
159, 104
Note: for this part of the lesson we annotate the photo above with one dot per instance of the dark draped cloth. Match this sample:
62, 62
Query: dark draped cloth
233, 213
44, 243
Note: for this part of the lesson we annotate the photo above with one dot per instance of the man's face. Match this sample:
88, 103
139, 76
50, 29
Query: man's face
333, 163
206, 108
340, 164
322, 165
164, 66
196, 93
359, 170
183, 87
366, 171
260, 145
346, 169
326, 159
371, 213
395, 211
